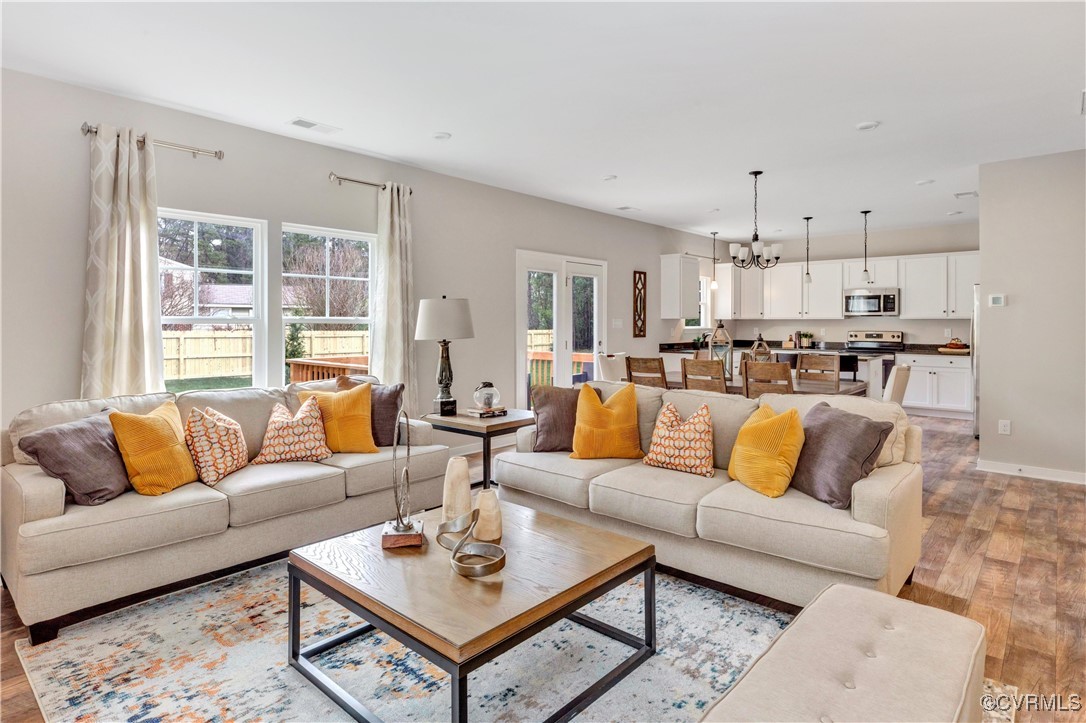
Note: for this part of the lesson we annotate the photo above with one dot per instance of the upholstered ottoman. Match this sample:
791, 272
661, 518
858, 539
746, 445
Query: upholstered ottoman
855, 654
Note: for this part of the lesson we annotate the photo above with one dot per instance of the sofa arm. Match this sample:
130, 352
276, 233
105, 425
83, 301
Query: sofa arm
421, 432
914, 436
526, 439
892, 498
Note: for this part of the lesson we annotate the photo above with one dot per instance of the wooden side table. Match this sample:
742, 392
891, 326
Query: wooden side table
485, 429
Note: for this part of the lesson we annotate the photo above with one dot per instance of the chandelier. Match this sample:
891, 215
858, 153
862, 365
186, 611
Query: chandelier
762, 255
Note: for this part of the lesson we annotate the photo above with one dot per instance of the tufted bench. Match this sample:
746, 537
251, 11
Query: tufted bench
855, 654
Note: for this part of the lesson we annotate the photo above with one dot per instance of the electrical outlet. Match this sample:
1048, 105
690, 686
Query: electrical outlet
1004, 426
948, 332
822, 332
616, 323
755, 330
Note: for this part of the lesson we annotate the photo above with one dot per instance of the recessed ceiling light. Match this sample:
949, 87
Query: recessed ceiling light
953, 213
442, 136
610, 178
778, 230
967, 194
627, 208
925, 182
311, 125
713, 210
867, 126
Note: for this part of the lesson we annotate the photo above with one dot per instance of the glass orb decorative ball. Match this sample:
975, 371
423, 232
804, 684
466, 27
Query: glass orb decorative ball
487, 396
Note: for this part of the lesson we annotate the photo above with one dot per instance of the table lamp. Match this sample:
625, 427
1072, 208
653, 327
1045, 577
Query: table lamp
441, 320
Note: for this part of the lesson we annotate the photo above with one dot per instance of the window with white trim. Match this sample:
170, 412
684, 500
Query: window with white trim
704, 319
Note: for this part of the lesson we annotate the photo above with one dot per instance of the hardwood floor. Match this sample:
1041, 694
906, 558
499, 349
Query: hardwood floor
1009, 552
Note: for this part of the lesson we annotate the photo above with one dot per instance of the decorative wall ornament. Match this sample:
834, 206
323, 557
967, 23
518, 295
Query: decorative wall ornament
640, 292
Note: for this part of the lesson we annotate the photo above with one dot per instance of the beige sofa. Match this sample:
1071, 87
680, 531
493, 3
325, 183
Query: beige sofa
788, 548
58, 558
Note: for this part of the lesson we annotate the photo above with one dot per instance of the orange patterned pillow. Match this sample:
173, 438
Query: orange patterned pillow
299, 438
216, 444
686, 446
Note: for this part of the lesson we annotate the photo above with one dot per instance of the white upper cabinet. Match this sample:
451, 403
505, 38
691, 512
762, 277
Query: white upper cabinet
727, 300
963, 270
883, 273
751, 296
923, 282
823, 297
679, 287
784, 291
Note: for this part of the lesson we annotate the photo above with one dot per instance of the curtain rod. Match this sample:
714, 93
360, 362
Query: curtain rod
87, 129
333, 177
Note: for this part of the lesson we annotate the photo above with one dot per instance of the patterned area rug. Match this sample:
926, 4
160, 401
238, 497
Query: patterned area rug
217, 652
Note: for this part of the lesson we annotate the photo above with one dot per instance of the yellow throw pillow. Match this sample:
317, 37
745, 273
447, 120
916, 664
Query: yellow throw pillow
607, 429
683, 445
153, 449
766, 451
346, 417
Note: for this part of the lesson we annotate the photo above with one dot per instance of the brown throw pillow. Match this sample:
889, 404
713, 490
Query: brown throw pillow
555, 417
385, 400
841, 448
83, 455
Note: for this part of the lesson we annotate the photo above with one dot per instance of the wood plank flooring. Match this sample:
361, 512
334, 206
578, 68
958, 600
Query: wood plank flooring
1009, 552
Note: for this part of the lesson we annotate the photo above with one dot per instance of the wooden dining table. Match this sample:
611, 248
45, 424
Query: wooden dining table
735, 386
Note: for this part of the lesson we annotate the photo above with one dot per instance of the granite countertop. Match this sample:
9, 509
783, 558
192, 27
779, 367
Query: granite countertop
826, 347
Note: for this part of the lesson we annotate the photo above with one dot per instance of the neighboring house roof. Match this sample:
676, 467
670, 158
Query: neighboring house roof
171, 265
237, 295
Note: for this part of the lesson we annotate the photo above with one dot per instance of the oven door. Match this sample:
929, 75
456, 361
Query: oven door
861, 304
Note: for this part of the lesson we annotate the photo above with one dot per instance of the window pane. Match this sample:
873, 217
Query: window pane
348, 298
323, 351
177, 292
174, 244
223, 295
348, 257
226, 247
303, 254
304, 296
207, 356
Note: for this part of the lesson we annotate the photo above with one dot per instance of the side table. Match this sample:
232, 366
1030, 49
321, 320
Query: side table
484, 428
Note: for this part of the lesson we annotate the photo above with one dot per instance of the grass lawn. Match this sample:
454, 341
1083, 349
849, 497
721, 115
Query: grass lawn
185, 385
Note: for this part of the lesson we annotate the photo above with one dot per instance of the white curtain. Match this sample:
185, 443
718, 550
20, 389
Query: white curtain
122, 336
392, 315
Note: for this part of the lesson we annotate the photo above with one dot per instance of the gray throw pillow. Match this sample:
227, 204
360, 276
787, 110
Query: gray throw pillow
839, 449
83, 455
555, 417
385, 400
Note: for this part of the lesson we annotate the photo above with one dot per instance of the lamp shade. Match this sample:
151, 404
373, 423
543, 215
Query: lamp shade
444, 319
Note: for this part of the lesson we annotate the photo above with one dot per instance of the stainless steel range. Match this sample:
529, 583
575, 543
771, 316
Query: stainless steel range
886, 342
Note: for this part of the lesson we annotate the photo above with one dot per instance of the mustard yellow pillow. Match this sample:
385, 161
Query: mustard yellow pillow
346, 417
766, 451
607, 429
153, 449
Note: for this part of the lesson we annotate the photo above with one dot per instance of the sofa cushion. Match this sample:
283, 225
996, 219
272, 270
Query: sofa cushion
555, 417
766, 451
251, 408
153, 449
129, 523
347, 418
263, 491
894, 449
372, 472
728, 412
320, 385
298, 438
662, 499
553, 474
84, 455
684, 445
46, 415
648, 406
606, 430
795, 527
386, 401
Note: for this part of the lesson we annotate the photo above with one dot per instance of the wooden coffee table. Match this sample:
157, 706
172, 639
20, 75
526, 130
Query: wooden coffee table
554, 567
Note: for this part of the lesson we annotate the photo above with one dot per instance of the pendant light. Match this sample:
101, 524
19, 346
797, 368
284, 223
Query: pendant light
866, 278
712, 284
807, 275
759, 254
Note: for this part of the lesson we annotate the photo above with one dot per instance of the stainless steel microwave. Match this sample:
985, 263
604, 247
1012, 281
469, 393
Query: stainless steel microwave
871, 302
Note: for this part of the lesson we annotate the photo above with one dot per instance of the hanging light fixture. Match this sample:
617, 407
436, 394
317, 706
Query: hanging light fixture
712, 284
866, 278
759, 254
807, 275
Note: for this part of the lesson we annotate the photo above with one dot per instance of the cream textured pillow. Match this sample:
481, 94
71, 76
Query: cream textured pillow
683, 445
216, 443
299, 438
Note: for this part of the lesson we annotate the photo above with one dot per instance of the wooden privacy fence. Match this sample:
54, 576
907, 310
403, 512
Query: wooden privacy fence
201, 353
541, 368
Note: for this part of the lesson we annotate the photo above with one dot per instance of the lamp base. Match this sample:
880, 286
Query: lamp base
445, 407
412, 538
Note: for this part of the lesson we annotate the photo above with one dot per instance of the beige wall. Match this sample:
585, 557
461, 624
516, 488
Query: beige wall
1033, 351
464, 232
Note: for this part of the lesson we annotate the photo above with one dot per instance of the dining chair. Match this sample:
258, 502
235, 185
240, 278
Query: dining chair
823, 368
706, 375
646, 371
766, 378
896, 383
611, 367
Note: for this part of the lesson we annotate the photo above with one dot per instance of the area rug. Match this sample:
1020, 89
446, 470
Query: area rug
217, 652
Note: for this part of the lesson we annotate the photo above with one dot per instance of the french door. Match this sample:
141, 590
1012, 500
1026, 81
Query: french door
561, 305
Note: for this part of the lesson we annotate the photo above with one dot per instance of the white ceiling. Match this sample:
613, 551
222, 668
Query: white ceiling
679, 101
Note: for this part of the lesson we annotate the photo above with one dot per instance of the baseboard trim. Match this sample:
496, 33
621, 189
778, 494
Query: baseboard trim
1025, 470
922, 412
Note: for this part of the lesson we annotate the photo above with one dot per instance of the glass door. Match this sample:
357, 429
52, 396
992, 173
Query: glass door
540, 332
582, 315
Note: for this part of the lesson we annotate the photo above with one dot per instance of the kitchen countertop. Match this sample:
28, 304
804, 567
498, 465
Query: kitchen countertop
829, 347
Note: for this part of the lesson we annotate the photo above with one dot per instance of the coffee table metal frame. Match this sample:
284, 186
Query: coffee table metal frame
300, 657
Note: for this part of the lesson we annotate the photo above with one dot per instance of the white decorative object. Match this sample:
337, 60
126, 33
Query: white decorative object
489, 526
456, 499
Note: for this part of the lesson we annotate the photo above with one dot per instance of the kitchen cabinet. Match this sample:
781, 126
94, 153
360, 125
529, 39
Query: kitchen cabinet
938, 382
963, 270
784, 291
883, 273
727, 298
751, 296
679, 287
823, 297
923, 282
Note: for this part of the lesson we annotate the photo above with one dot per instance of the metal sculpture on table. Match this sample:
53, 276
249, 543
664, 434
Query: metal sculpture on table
492, 556
403, 531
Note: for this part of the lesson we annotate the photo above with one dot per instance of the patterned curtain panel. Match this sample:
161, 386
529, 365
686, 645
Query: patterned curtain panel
122, 335
392, 319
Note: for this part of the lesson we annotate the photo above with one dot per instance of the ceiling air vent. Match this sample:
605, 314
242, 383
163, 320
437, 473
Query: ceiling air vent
967, 194
313, 126
627, 208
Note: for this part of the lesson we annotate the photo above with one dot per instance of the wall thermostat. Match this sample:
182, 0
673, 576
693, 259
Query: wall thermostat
997, 299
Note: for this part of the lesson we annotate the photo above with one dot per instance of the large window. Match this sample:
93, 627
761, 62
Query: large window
326, 300
211, 292
704, 319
